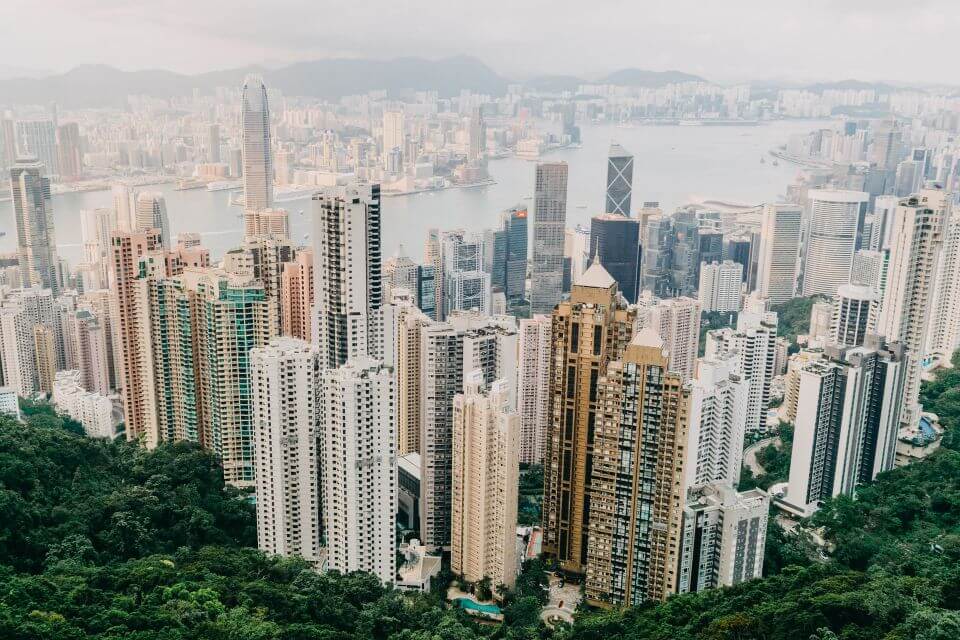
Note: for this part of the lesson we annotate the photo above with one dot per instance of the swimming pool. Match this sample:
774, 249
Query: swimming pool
471, 605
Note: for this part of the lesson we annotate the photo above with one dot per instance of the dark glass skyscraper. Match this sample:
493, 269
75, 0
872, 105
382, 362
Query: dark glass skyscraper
619, 181
509, 269
615, 241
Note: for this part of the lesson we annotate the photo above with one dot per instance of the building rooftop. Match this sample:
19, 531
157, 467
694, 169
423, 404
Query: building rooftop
596, 276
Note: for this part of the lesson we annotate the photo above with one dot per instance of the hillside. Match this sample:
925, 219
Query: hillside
100, 540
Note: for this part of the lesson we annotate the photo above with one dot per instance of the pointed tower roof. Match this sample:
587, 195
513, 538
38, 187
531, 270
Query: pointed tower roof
647, 338
596, 276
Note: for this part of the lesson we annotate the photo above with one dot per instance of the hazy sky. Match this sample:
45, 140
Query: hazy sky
895, 40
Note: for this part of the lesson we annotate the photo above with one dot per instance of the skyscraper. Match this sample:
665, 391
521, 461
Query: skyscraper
359, 479
588, 331
677, 322
38, 139
943, 336
779, 254
833, 232
466, 285
720, 286
69, 153
509, 272
917, 238
348, 278
533, 386
549, 222
33, 212
285, 379
634, 514
854, 315
96, 225
619, 181
404, 331
615, 241
151, 213
485, 477
296, 296
257, 151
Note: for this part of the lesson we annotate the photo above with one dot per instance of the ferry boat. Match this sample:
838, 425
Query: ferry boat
185, 184
224, 185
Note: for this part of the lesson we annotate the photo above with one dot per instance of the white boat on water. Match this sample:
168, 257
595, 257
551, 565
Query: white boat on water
224, 185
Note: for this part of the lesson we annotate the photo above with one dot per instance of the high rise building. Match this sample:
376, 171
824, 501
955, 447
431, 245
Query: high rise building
485, 474
821, 319
588, 331
393, 133
466, 285
286, 407
359, 478
833, 235
348, 280
908, 179
96, 225
93, 353
255, 144
718, 422
125, 206
615, 241
576, 256
779, 253
509, 268
405, 332
848, 415
213, 142
266, 222
741, 250
943, 336
677, 322
450, 350
719, 288
296, 296
634, 514
33, 213
908, 298
400, 272
854, 315
723, 537
151, 213
658, 242
69, 153
884, 208
533, 386
870, 269
263, 258
619, 181
38, 139
549, 222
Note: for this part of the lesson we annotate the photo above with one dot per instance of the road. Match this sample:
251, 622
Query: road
750, 454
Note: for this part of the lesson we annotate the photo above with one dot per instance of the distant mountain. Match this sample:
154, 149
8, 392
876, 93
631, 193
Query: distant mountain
554, 84
846, 85
98, 85
645, 78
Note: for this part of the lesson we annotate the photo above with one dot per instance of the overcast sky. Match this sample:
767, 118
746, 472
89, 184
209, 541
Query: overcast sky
723, 40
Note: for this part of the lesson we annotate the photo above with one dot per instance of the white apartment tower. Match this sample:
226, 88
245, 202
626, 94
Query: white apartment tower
677, 321
285, 376
719, 288
359, 478
485, 479
533, 386
854, 315
779, 253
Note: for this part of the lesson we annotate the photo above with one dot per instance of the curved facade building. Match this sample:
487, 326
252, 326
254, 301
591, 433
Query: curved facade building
833, 227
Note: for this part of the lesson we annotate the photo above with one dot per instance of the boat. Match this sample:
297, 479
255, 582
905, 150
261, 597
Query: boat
224, 185
185, 184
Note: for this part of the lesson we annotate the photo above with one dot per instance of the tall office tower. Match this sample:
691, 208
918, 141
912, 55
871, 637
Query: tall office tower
466, 285
549, 222
45, 357
8, 145
93, 353
285, 377
917, 239
33, 212
821, 320
533, 386
588, 331
449, 351
509, 272
263, 258
869, 269
779, 255
124, 206
405, 324
635, 511
485, 473
69, 153
718, 422
854, 315
426, 290
739, 250
133, 333
359, 477
753, 346
677, 321
257, 151
719, 288
723, 537
884, 208
347, 274
887, 148
96, 225
576, 256
38, 139
848, 415
393, 133
476, 134
833, 234
943, 336
619, 181
432, 257
658, 240
296, 296
615, 241
400, 272
213, 142
151, 213
266, 222
909, 178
